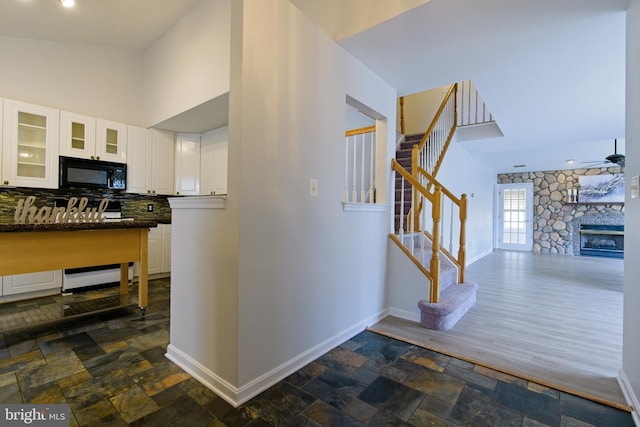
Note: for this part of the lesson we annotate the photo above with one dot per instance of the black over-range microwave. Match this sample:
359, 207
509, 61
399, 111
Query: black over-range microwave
92, 174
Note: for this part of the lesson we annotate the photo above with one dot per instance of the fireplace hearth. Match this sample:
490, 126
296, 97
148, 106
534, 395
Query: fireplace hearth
602, 240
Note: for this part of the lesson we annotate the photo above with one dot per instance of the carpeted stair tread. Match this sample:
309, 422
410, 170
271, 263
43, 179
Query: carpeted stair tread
454, 302
405, 162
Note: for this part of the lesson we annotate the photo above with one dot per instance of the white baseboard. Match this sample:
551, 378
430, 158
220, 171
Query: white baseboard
405, 314
478, 257
206, 377
629, 395
236, 396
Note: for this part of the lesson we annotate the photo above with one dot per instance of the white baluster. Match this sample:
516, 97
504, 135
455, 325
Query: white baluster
422, 221
371, 168
354, 184
412, 224
345, 198
401, 210
451, 227
362, 183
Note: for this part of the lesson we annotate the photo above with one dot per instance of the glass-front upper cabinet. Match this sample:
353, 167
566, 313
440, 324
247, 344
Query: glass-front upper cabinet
77, 135
90, 138
111, 141
30, 145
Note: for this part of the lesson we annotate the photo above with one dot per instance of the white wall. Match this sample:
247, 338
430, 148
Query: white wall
311, 274
189, 65
631, 344
204, 304
420, 109
94, 80
407, 285
342, 19
462, 172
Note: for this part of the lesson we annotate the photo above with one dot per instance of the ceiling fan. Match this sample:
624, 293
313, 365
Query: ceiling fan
614, 159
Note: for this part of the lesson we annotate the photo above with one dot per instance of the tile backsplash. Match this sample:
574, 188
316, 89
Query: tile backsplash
133, 205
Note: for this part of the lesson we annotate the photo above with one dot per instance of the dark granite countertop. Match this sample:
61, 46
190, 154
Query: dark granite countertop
159, 220
75, 226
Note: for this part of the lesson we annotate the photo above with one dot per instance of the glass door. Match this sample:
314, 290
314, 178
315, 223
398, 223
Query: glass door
515, 216
32, 145
30, 138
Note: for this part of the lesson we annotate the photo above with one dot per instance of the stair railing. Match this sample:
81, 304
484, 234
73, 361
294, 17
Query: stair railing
359, 170
434, 143
455, 225
431, 223
430, 152
472, 109
420, 195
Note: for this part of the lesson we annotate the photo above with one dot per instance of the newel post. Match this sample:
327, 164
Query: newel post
402, 115
462, 254
434, 267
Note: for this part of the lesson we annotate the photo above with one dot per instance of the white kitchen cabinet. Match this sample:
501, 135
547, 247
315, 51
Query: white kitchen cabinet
150, 161
30, 145
138, 160
77, 135
187, 164
111, 141
159, 249
166, 248
213, 161
30, 282
154, 261
86, 137
162, 161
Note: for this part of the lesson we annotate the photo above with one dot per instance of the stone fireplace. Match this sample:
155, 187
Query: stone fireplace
556, 220
602, 240
598, 234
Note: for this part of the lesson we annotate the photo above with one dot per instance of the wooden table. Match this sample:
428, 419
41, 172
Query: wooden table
28, 248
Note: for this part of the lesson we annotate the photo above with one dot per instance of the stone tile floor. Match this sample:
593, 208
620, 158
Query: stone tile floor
111, 370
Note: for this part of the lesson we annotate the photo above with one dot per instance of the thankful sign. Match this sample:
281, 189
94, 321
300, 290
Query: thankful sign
75, 211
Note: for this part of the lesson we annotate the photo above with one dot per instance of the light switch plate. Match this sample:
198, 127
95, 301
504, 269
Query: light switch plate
313, 187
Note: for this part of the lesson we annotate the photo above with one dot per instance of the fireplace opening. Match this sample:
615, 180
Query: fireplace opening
602, 240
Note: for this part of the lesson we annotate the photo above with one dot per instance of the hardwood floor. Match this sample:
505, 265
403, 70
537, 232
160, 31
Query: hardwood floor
552, 319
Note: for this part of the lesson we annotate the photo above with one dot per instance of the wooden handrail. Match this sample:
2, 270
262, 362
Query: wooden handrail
435, 182
436, 199
462, 257
411, 257
402, 115
360, 131
414, 182
452, 90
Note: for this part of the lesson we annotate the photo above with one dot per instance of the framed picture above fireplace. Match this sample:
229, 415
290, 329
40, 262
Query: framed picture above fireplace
601, 188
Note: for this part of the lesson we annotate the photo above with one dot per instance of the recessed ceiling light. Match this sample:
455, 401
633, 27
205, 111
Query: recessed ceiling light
569, 161
67, 3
